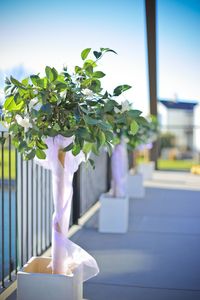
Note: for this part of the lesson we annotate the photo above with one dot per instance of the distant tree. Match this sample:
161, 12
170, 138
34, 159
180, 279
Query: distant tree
167, 140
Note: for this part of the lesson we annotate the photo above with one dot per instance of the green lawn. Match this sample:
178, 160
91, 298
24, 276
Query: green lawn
175, 164
6, 164
166, 164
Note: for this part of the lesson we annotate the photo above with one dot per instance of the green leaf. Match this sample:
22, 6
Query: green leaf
91, 161
77, 69
17, 98
21, 146
87, 148
95, 150
31, 154
76, 149
40, 154
98, 74
104, 125
56, 127
67, 133
133, 113
69, 147
61, 85
134, 127
84, 109
39, 82
16, 82
110, 119
84, 134
108, 50
41, 145
90, 121
91, 102
51, 132
102, 138
109, 148
51, 73
10, 104
13, 128
109, 106
89, 69
34, 79
89, 62
109, 135
97, 54
85, 53
25, 81
121, 119
142, 121
95, 86
120, 89
7, 81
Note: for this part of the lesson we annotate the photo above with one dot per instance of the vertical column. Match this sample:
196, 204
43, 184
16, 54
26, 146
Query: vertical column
76, 198
151, 43
2, 214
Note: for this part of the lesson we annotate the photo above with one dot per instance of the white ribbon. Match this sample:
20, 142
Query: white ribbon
66, 255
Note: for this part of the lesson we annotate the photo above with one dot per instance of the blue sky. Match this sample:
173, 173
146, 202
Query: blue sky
38, 33
179, 48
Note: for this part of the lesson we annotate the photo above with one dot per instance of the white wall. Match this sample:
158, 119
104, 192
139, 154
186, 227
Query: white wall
162, 115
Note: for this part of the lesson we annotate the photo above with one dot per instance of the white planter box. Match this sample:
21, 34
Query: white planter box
36, 282
146, 169
113, 214
135, 187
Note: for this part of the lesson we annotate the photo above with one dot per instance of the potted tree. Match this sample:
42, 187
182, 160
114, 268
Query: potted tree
147, 134
142, 140
113, 216
58, 119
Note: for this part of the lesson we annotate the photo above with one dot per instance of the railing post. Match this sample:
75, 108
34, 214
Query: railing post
109, 173
151, 43
76, 198
2, 212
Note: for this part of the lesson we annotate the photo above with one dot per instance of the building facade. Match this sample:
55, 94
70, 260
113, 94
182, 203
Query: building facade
178, 118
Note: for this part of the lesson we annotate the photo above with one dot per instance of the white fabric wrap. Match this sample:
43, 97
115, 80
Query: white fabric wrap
66, 255
119, 167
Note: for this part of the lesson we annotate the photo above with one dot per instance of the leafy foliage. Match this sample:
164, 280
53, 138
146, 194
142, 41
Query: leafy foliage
147, 132
167, 140
73, 105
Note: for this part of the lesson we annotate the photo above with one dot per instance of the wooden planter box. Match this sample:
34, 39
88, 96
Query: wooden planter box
135, 186
36, 282
146, 169
113, 214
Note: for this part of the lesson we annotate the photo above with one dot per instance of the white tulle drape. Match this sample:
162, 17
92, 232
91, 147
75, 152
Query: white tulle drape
119, 168
66, 255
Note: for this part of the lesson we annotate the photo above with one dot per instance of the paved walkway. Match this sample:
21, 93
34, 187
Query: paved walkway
159, 257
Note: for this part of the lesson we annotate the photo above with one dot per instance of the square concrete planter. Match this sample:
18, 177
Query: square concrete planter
146, 169
36, 282
135, 186
113, 214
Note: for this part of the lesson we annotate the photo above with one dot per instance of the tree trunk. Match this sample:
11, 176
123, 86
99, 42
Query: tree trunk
66, 255
119, 166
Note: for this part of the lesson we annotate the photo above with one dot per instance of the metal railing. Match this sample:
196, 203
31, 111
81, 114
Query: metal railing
8, 212
26, 206
34, 209
26, 209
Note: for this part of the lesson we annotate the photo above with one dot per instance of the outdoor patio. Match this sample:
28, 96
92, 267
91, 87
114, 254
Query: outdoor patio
158, 258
